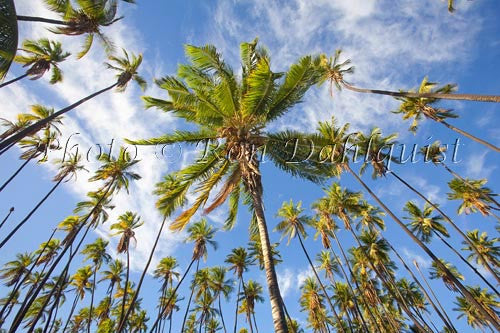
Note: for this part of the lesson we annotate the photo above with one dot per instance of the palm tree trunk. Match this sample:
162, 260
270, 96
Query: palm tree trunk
41, 19
55, 306
456, 175
447, 321
138, 288
255, 322
22, 312
170, 323
222, 316
463, 97
465, 292
237, 304
253, 184
173, 294
13, 80
6, 148
190, 298
73, 307
321, 283
448, 219
41, 123
470, 136
249, 320
20, 224
92, 299
124, 299
17, 171
11, 210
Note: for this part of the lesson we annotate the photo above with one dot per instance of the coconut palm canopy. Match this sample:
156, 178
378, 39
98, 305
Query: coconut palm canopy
290, 166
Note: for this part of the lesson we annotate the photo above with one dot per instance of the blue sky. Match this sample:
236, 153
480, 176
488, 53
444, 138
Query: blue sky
393, 46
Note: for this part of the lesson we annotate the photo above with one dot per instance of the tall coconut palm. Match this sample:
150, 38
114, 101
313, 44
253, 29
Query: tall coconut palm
116, 174
221, 287
13, 271
207, 93
201, 234
475, 318
165, 272
251, 295
474, 196
127, 70
12, 127
239, 262
312, 301
42, 56
438, 273
67, 170
335, 71
95, 252
425, 226
125, 227
417, 108
82, 283
114, 275
168, 311
293, 224
489, 251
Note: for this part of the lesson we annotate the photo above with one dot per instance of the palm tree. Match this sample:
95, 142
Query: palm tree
42, 55
293, 224
116, 174
207, 93
127, 70
95, 252
425, 226
473, 194
114, 274
13, 271
239, 261
438, 273
253, 293
417, 108
8, 25
168, 311
474, 317
82, 283
165, 272
335, 71
67, 170
201, 234
87, 19
220, 287
9, 302
125, 227
489, 251
311, 300
13, 126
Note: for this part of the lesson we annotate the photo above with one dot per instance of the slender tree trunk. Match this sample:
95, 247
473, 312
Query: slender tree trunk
173, 294
170, 323
190, 298
41, 123
465, 292
41, 19
249, 320
17, 171
463, 97
20, 224
237, 305
448, 219
124, 299
222, 316
13, 80
92, 299
6, 148
73, 307
255, 322
470, 136
22, 312
55, 306
321, 283
253, 184
139, 285
11, 210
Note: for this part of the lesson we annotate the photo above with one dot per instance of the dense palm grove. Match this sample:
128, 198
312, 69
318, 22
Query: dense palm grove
351, 288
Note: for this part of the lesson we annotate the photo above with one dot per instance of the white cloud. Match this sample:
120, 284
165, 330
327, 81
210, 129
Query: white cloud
412, 256
476, 167
286, 281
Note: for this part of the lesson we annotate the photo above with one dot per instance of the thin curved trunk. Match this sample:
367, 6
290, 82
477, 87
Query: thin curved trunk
92, 300
20, 224
222, 316
190, 299
249, 320
253, 184
73, 307
494, 321
321, 283
11, 210
456, 175
161, 307
41, 123
443, 311
13, 80
124, 299
6, 148
464, 236
41, 19
348, 315
255, 322
170, 323
141, 280
470, 136
54, 307
17, 171
22, 312
173, 294
463, 97
237, 305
